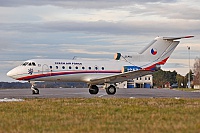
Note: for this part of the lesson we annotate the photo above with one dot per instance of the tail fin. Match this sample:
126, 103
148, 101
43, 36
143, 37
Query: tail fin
158, 51
155, 53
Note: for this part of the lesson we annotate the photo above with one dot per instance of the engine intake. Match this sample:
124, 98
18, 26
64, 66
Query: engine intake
117, 56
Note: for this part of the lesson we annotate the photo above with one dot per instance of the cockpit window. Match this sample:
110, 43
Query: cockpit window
29, 64
25, 63
33, 63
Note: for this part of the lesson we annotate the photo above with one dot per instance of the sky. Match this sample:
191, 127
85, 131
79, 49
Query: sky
95, 29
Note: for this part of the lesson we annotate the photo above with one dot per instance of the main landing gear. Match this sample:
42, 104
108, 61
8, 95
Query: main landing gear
110, 90
35, 90
93, 89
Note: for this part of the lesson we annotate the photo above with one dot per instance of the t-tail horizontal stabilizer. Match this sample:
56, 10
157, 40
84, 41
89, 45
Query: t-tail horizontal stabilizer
175, 38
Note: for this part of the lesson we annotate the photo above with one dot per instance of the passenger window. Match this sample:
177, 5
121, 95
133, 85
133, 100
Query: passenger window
96, 68
70, 67
51, 67
89, 68
102, 68
76, 67
63, 67
83, 68
56, 67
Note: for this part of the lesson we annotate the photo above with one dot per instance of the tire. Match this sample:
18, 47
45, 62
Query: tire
93, 89
111, 90
35, 91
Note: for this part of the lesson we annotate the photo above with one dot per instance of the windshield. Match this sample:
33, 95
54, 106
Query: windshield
29, 64
25, 63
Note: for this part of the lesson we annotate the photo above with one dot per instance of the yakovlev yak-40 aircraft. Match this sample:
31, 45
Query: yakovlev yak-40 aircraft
94, 73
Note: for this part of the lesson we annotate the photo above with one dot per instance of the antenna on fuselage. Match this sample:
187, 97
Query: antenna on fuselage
74, 57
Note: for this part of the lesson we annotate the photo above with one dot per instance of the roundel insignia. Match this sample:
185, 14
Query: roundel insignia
153, 51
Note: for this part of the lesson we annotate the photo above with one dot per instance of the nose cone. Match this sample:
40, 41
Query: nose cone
11, 73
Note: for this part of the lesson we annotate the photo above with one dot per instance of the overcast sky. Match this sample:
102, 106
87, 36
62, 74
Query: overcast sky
94, 29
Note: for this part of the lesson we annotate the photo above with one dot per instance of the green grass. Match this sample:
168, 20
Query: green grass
101, 115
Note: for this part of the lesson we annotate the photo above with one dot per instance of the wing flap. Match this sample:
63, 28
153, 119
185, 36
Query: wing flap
120, 77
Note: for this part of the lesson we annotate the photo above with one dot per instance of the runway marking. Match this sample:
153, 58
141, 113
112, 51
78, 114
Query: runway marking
11, 100
102, 95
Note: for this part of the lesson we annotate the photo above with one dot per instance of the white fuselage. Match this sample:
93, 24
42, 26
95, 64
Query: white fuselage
66, 70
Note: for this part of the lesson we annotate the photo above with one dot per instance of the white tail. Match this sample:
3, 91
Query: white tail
155, 53
158, 50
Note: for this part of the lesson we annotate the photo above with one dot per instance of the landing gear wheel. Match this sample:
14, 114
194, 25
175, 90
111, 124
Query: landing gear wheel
93, 89
35, 91
111, 90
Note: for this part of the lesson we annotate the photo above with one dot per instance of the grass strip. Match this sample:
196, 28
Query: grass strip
101, 115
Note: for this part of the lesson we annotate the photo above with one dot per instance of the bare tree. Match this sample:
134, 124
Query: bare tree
197, 71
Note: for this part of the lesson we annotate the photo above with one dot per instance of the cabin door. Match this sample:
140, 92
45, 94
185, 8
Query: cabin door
45, 69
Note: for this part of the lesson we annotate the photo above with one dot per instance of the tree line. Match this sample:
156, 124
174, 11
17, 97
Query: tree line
160, 78
13, 85
197, 71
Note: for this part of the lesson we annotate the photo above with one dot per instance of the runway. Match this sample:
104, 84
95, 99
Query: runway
83, 93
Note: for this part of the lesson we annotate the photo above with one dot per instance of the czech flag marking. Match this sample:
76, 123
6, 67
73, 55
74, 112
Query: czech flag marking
153, 51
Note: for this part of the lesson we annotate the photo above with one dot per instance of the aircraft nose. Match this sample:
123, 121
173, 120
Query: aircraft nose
11, 73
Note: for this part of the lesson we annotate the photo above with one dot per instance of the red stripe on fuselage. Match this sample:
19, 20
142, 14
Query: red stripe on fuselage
159, 63
35, 76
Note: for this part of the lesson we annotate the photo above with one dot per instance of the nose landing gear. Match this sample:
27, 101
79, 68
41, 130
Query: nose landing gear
35, 90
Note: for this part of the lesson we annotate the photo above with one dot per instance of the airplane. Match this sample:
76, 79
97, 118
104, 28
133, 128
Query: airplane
95, 73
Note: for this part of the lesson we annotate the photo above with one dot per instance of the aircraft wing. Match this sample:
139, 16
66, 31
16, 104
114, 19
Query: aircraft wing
120, 77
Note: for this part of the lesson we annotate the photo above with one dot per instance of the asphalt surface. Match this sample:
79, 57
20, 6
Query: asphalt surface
83, 93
